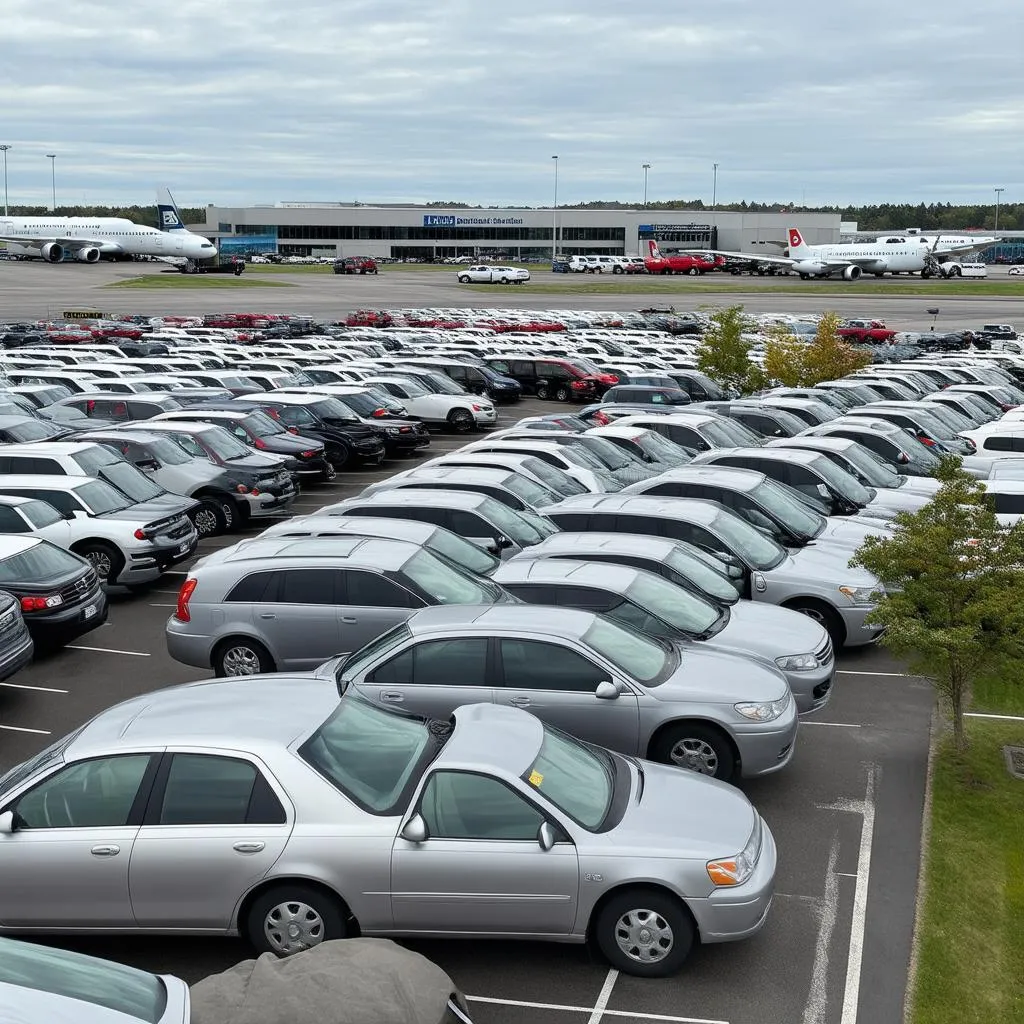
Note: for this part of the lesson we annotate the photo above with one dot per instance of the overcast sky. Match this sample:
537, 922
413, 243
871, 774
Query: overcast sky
260, 101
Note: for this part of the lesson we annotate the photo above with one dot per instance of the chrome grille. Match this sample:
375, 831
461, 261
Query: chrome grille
80, 589
824, 653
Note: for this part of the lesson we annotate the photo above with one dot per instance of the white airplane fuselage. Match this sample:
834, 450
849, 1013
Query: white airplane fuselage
88, 238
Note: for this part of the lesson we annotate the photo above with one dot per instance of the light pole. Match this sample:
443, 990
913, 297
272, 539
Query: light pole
4, 149
647, 167
554, 215
52, 157
997, 191
714, 186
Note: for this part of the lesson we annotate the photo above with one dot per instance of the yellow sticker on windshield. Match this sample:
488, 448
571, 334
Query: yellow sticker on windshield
536, 778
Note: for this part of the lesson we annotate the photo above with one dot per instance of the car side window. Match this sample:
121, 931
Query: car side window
500, 365
203, 789
373, 590
535, 665
64, 502
254, 588
309, 586
468, 524
463, 805
89, 794
682, 435
461, 661
522, 368
998, 444
11, 522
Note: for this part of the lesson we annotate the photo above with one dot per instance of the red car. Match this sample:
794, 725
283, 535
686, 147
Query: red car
657, 263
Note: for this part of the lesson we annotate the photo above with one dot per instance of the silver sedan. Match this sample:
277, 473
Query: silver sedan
269, 808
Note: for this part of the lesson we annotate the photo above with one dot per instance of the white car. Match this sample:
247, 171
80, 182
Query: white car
481, 274
454, 411
605, 264
1015, 271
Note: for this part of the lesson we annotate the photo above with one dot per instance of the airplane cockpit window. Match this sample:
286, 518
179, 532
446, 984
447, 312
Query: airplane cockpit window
892, 240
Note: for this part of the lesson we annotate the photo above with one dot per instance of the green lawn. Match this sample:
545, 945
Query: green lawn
971, 930
199, 281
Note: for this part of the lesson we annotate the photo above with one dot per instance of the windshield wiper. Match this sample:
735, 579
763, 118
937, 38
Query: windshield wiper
641, 775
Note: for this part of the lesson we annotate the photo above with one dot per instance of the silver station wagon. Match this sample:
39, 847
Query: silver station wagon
268, 808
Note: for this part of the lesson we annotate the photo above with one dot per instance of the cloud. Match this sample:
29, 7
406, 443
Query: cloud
397, 100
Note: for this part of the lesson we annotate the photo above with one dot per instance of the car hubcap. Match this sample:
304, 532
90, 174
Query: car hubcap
461, 420
206, 522
241, 661
644, 936
290, 927
695, 754
100, 561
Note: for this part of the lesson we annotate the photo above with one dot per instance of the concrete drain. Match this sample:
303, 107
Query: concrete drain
1015, 761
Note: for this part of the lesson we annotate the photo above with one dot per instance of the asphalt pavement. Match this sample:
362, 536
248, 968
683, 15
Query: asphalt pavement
846, 814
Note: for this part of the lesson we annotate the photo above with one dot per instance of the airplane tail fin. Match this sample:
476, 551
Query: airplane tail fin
797, 246
653, 251
167, 216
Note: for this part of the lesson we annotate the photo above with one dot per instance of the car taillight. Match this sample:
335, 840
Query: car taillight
140, 534
292, 430
379, 412
599, 417
259, 443
971, 444
1006, 406
181, 612
924, 439
579, 385
40, 604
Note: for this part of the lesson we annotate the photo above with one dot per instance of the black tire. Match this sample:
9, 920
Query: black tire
240, 656
644, 932
464, 278
326, 919
209, 519
562, 393
340, 457
697, 747
461, 421
954, 272
825, 616
618, 270
232, 517
543, 391
693, 271
103, 557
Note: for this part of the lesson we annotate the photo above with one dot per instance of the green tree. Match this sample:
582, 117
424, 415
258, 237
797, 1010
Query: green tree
724, 354
784, 357
828, 356
952, 575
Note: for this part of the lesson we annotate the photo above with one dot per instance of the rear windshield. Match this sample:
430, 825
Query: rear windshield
37, 564
32, 430
533, 493
167, 452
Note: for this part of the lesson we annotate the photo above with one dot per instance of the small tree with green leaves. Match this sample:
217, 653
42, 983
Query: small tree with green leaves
784, 357
829, 356
953, 581
724, 354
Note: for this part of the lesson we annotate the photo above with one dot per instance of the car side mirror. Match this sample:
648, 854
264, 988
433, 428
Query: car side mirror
415, 830
502, 543
546, 836
7, 823
824, 491
606, 691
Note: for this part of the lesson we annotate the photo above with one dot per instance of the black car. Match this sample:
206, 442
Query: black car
401, 436
344, 437
16, 646
19, 429
59, 593
258, 430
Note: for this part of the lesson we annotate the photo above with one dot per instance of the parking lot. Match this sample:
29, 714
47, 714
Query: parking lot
846, 815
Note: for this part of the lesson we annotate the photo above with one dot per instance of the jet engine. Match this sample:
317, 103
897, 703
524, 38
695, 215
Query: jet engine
52, 252
852, 273
88, 254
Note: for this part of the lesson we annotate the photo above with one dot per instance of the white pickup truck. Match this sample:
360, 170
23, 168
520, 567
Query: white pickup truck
493, 275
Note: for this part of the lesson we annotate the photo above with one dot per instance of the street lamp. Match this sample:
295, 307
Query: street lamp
554, 215
997, 191
4, 149
647, 167
714, 186
52, 157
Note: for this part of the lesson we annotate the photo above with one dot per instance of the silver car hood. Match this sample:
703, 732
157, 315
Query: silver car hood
896, 499
680, 814
719, 677
768, 631
825, 564
851, 531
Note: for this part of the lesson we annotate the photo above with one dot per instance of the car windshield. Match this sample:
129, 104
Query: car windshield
39, 513
870, 468
578, 453
753, 547
224, 445
413, 390
444, 385
137, 995
578, 780
166, 452
259, 424
697, 571
100, 498
522, 527
36, 564
445, 584
682, 610
369, 754
720, 434
33, 430
296, 416
533, 493
955, 421
661, 448
364, 403
788, 510
556, 479
46, 758
462, 552
131, 481
841, 481
611, 456
635, 654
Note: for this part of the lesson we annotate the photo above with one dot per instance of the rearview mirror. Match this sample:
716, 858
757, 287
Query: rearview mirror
7, 823
547, 836
606, 691
415, 830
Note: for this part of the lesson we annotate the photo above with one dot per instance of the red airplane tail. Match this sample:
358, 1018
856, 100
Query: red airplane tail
653, 250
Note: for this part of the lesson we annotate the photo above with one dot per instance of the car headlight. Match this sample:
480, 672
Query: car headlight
393, 431
860, 595
736, 870
798, 662
764, 710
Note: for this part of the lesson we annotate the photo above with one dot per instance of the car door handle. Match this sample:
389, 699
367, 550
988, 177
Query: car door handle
392, 696
105, 851
255, 847
520, 702
349, 618
267, 615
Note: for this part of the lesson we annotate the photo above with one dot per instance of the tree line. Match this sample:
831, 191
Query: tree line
137, 214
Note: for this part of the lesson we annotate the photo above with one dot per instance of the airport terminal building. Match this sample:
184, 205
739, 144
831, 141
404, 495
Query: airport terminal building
429, 232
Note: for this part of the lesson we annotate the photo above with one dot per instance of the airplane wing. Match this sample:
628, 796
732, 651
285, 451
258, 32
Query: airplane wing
71, 244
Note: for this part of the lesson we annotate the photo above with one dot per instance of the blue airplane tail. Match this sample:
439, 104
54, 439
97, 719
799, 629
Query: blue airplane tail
167, 216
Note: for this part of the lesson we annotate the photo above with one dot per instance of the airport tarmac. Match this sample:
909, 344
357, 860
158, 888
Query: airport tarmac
32, 291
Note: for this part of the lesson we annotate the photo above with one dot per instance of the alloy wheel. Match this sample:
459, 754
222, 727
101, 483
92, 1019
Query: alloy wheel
695, 754
644, 936
241, 661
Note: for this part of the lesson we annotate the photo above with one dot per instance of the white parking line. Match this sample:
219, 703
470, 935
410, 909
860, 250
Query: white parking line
40, 689
18, 728
828, 907
630, 1014
833, 725
605, 994
851, 993
1000, 718
889, 675
107, 650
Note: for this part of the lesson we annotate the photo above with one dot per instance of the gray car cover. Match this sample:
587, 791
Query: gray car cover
347, 981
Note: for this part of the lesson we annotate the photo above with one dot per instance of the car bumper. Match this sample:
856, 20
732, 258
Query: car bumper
858, 630
737, 912
145, 564
767, 748
812, 690
188, 648
16, 652
62, 627
267, 503
485, 417
405, 443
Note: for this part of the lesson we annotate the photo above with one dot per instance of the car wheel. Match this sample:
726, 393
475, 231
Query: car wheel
104, 558
290, 918
240, 656
693, 271
617, 270
460, 420
209, 519
698, 748
954, 272
543, 391
232, 520
562, 394
645, 933
464, 278
824, 616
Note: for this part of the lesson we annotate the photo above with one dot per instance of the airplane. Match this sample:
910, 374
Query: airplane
89, 238
896, 254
